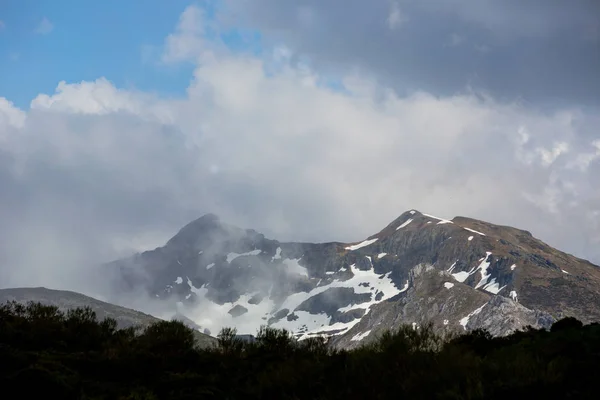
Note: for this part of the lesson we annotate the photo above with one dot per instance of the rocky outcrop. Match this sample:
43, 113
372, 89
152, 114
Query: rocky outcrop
501, 316
459, 274
452, 307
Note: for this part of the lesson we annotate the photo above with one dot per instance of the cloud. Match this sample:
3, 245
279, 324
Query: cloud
187, 42
44, 27
100, 98
92, 172
557, 41
514, 18
2, 25
584, 160
11, 115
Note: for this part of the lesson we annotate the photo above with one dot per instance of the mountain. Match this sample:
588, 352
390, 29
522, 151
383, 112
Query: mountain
459, 274
66, 300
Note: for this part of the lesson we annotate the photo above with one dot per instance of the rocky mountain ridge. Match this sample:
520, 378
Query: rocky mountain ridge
459, 274
67, 300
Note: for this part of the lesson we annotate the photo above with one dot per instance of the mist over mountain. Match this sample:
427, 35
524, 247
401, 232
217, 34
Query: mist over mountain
460, 274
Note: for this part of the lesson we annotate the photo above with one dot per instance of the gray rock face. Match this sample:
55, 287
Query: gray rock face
460, 275
501, 316
238, 311
331, 300
450, 306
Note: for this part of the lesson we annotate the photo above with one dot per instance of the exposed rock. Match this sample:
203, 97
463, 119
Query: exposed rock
238, 311
501, 316
459, 274
256, 299
347, 316
331, 300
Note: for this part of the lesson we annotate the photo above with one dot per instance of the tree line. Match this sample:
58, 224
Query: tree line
72, 355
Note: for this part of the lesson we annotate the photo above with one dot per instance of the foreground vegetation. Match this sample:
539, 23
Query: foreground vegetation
44, 352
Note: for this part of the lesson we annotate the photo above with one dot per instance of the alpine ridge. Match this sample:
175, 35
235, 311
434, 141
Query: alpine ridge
66, 300
460, 274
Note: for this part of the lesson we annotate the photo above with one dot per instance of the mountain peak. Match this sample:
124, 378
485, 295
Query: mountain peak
207, 218
190, 232
419, 268
412, 218
412, 212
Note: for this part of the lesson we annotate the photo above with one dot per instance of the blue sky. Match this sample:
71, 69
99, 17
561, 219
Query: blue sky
119, 40
484, 47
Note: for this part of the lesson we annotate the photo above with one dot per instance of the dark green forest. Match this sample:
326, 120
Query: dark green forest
50, 354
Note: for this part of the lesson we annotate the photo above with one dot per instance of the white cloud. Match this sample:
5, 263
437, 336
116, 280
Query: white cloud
549, 156
187, 43
10, 115
44, 27
583, 160
100, 98
92, 164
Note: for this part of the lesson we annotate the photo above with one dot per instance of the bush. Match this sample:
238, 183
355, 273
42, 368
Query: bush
47, 353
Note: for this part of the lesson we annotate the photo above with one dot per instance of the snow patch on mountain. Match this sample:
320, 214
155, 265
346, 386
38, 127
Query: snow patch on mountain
277, 255
408, 221
483, 270
212, 316
487, 284
463, 275
474, 231
442, 220
464, 321
233, 256
452, 266
404, 288
307, 324
361, 244
360, 336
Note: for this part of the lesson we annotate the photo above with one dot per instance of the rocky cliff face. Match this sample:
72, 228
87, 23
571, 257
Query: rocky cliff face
459, 274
